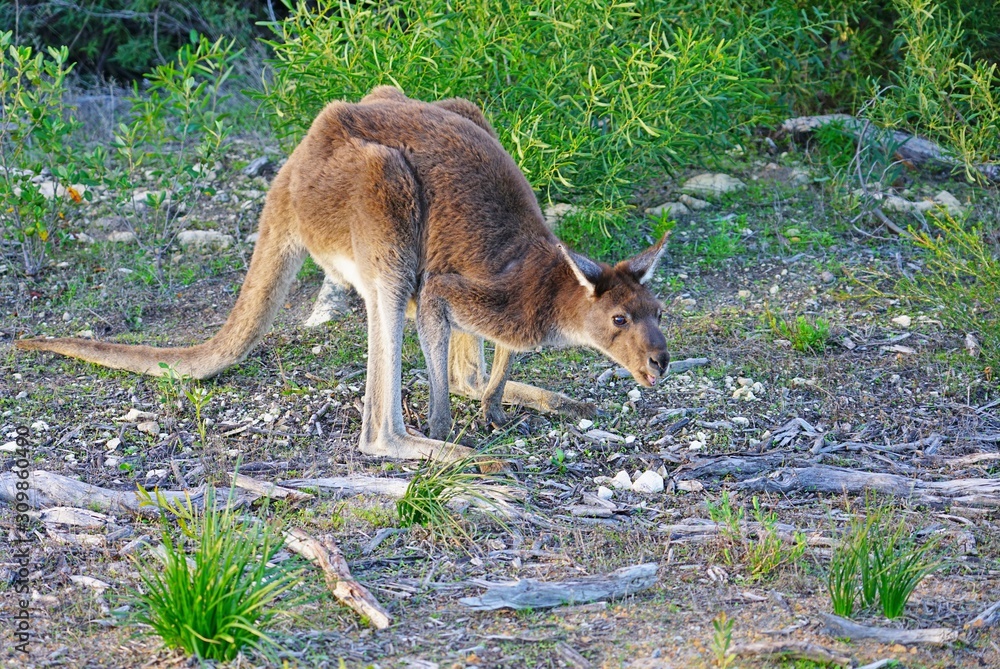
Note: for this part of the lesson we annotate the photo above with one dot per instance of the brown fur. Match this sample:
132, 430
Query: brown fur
417, 202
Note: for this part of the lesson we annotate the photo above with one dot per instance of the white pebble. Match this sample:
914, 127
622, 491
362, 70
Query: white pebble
648, 482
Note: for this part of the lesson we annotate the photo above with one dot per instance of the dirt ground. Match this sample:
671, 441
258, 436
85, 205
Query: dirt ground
903, 400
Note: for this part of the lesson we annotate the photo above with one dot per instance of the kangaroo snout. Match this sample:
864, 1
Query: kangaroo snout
658, 362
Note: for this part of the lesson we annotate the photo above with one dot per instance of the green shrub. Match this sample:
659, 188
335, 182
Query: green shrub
37, 166
212, 591
763, 554
172, 144
806, 335
960, 281
587, 96
940, 89
123, 39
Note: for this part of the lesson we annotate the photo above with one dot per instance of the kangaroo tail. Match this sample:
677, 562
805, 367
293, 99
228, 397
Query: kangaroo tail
275, 262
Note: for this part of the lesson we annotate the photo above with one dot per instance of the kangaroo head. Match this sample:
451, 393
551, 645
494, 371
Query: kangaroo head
619, 316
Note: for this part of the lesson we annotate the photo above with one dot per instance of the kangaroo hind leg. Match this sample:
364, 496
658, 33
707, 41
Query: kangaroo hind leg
386, 255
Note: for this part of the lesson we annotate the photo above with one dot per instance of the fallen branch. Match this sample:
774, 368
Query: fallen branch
913, 149
796, 650
325, 555
837, 480
529, 593
986, 618
841, 627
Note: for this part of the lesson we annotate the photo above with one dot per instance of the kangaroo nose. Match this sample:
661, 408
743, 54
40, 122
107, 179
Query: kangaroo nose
658, 363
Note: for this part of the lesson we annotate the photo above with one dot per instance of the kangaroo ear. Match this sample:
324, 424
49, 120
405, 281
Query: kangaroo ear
643, 265
587, 271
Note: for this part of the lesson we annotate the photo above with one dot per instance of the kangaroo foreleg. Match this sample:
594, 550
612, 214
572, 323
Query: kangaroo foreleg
467, 377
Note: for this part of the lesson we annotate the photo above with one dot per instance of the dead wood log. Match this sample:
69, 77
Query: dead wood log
837, 480
988, 617
795, 650
48, 490
529, 593
266, 489
740, 464
327, 556
913, 149
841, 627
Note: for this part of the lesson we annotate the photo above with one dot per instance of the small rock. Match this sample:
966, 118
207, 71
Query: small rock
826, 276
712, 185
635, 394
134, 415
121, 237
972, 344
622, 481
741, 421
774, 289
783, 343
743, 294
648, 482
629, 438
112, 444
149, 427
950, 203
744, 393
40, 426
602, 435
744, 381
67, 317
669, 209
556, 212
156, 473
903, 321
85, 334
603, 492
690, 486
848, 343
84, 238
585, 424
252, 238
259, 167
693, 203
204, 240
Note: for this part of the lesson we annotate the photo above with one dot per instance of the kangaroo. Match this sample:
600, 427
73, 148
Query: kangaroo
419, 207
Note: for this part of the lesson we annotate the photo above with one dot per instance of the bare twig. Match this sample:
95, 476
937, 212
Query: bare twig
327, 556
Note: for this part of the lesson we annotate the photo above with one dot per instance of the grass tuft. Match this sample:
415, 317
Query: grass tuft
212, 591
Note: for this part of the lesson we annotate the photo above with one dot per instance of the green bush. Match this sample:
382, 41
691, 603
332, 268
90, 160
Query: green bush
960, 282
589, 97
940, 89
123, 39
38, 168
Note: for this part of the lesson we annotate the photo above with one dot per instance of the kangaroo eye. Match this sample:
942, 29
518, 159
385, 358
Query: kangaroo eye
619, 320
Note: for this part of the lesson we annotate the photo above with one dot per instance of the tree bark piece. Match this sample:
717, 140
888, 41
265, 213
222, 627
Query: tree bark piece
266, 489
911, 148
796, 650
529, 593
327, 557
841, 627
837, 480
